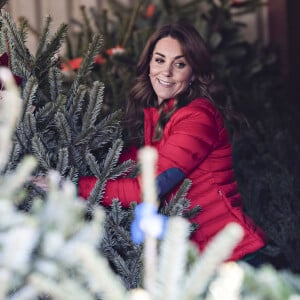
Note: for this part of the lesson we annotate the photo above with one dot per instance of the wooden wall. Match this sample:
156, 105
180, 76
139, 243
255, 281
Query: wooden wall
284, 24
63, 10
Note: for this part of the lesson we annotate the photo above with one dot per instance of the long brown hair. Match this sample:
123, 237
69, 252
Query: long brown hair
142, 94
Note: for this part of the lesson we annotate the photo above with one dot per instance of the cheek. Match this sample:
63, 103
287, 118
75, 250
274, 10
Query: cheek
185, 78
182, 80
153, 69
152, 79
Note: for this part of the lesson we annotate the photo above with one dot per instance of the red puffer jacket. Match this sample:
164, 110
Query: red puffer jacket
195, 145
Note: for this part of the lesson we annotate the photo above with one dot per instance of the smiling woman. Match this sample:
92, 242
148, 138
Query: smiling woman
170, 73
173, 106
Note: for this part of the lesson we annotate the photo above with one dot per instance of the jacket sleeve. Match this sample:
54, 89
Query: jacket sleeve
127, 190
191, 136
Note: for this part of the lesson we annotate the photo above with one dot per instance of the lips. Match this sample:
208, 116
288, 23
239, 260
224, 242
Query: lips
165, 83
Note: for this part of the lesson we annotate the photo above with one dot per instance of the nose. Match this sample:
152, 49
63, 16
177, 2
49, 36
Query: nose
168, 70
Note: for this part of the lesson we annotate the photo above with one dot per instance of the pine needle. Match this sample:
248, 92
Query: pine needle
63, 161
40, 152
63, 128
30, 125
77, 104
86, 65
55, 81
28, 95
95, 104
43, 36
47, 57
122, 169
111, 158
93, 164
172, 264
15, 39
178, 203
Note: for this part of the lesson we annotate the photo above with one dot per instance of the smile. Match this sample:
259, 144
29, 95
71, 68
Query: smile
165, 83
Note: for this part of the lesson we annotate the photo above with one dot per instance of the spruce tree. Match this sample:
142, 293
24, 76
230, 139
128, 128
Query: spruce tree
64, 127
265, 143
51, 251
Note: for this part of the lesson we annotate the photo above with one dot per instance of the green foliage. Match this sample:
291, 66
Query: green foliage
64, 127
2, 3
124, 256
69, 124
50, 252
238, 63
61, 126
265, 142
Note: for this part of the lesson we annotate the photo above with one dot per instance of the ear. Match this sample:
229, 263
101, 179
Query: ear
191, 81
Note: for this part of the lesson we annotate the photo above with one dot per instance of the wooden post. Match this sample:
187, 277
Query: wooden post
284, 26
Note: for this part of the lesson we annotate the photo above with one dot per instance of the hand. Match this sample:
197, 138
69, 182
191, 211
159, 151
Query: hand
40, 181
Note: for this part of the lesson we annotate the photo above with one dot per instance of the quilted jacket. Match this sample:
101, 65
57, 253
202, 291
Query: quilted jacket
195, 145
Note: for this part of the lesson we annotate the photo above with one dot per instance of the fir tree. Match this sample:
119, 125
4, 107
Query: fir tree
64, 128
51, 251
266, 170
266, 147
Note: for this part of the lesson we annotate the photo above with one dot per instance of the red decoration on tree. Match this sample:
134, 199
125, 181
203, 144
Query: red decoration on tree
74, 64
150, 11
116, 50
4, 62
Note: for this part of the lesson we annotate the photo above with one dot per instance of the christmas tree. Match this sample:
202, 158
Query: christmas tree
266, 170
50, 252
65, 128
265, 146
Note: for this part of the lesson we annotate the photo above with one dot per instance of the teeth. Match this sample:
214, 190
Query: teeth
165, 82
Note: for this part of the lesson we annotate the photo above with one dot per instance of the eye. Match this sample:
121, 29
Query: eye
159, 60
180, 65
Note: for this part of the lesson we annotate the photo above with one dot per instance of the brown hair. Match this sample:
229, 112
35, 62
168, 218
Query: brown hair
142, 94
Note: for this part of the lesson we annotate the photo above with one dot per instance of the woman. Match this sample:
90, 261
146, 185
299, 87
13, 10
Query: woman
173, 107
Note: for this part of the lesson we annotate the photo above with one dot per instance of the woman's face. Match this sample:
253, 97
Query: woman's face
170, 72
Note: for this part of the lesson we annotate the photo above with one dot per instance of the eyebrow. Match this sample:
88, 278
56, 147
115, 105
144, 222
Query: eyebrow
176, 57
